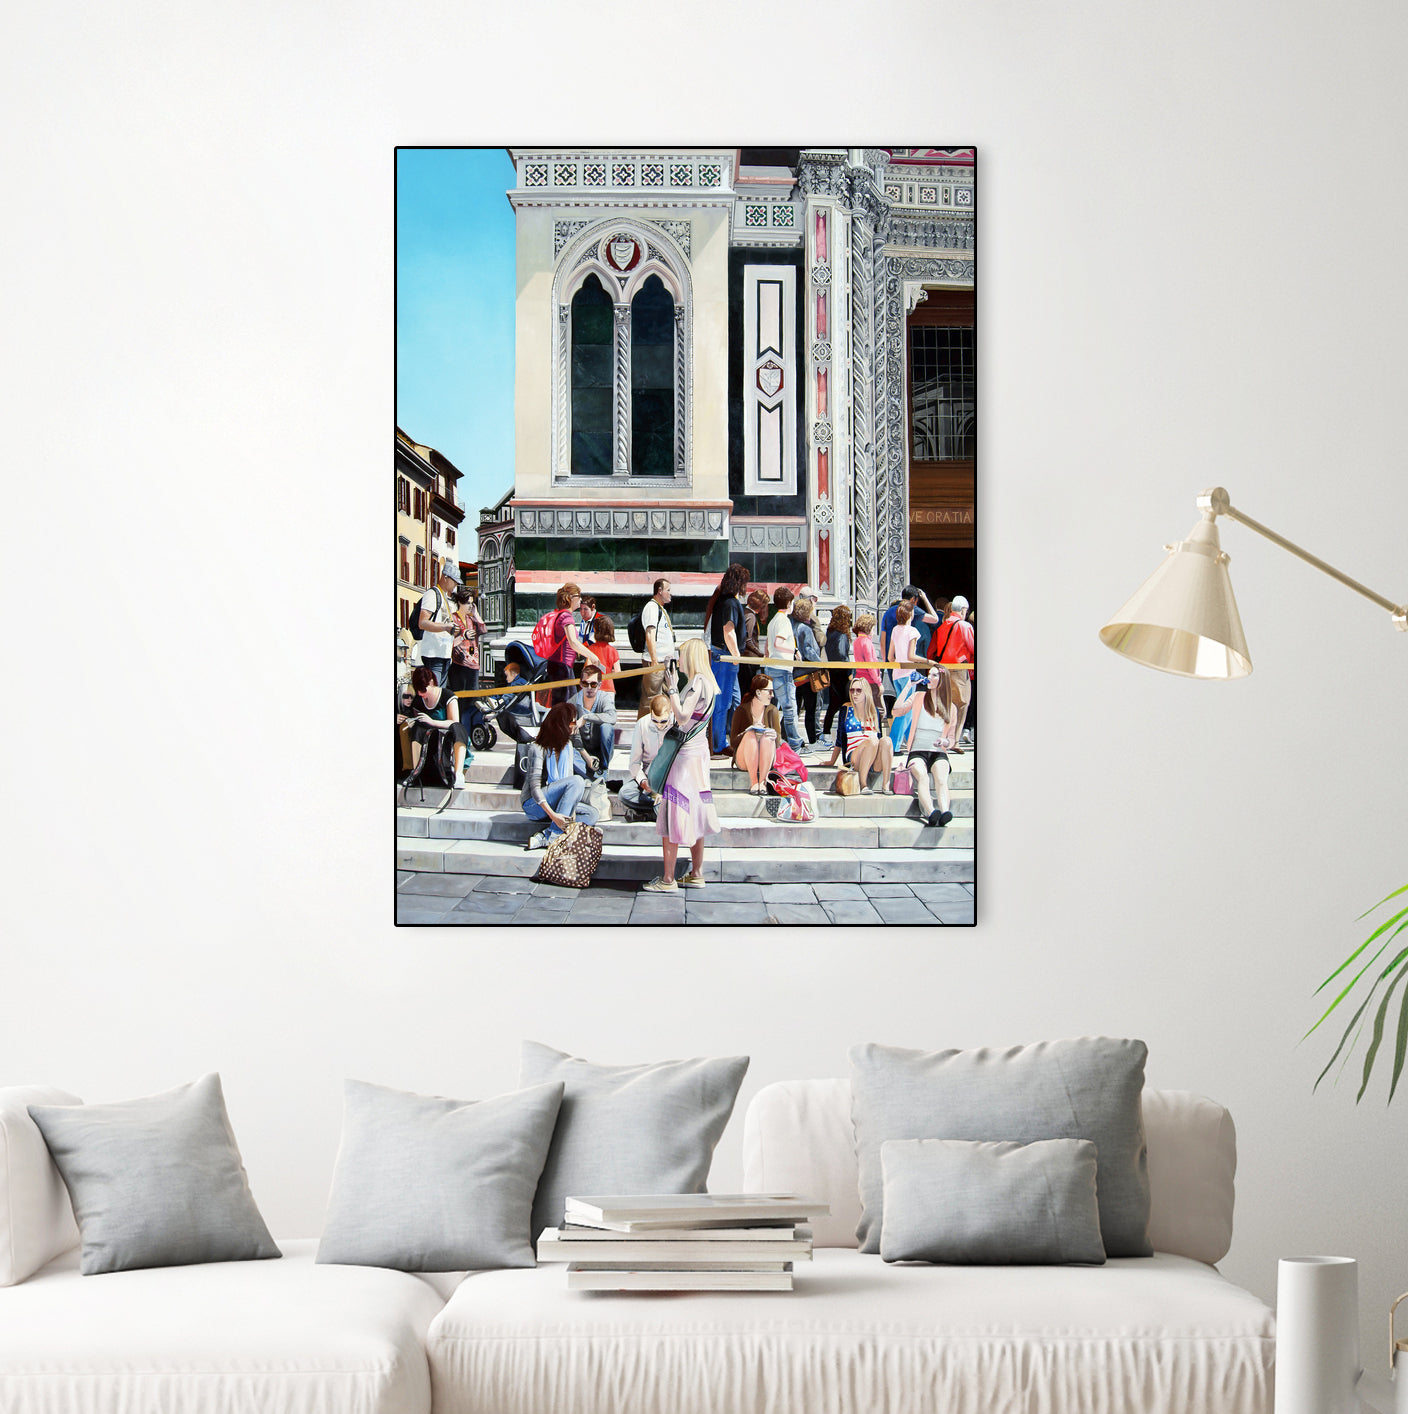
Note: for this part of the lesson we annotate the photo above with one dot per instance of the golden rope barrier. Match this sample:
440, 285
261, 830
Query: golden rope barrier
924, 663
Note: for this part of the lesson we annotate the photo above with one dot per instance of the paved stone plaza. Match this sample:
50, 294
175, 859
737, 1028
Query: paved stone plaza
459, 900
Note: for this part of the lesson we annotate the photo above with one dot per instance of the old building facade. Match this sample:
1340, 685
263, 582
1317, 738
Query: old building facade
762, 355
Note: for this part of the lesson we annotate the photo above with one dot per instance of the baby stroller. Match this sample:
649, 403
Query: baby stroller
516, 713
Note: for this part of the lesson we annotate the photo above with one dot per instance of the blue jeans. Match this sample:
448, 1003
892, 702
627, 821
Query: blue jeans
784, 697
598, 739
565, 797
726, 675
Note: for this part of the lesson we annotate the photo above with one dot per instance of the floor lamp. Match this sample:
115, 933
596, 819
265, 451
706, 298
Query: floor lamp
1183, 619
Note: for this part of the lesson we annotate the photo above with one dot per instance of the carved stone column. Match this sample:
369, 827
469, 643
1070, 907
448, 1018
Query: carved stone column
681, 382
869, 499
621, 421
822, 180
562, 461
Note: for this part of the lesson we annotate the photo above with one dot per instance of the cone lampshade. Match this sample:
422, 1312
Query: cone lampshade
1183, 619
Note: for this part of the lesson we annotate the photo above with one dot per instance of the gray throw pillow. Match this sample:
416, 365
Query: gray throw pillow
156, 1182
630, 1128
975, 1203
425, 1184
1081, 1089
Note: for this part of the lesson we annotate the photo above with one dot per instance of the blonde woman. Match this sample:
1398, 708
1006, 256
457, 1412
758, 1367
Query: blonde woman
933, 728
866, 749
686, 811
863, 651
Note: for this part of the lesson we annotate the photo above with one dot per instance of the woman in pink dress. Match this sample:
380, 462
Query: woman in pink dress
686, 812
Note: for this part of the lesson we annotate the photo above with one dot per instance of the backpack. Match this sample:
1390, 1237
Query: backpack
544, 644
436, 767
635, 630
417, 632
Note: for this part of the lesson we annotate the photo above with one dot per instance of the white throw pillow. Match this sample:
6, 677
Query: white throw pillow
36, 1217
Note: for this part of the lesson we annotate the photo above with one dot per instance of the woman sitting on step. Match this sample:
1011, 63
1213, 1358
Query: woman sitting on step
433, 708
865, 748
933, 727
755, 732
552, 790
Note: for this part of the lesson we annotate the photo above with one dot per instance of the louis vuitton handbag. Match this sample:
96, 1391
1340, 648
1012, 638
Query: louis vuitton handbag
572, 857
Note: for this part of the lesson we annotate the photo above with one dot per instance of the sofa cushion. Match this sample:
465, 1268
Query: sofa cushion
288, 1336
976, 1201
798, 1138
156, 1182
36, 1217
630, 1128
426, 1184
1159, 1335
1086, 1088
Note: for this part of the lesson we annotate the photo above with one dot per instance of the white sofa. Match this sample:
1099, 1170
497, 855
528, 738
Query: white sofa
1137, 1335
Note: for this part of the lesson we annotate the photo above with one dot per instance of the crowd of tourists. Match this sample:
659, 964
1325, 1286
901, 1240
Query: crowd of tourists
876, 721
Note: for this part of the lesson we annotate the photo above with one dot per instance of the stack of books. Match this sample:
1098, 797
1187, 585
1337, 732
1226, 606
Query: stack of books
683, 1241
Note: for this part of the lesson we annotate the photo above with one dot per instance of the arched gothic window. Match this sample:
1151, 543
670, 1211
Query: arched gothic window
591, 379
622, 360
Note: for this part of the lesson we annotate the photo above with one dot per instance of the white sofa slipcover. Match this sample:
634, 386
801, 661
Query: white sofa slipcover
1160, 1335
284, 1336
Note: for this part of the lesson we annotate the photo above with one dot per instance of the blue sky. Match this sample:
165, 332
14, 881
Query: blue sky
454, 312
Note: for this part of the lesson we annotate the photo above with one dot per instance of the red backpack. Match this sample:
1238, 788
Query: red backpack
544, 644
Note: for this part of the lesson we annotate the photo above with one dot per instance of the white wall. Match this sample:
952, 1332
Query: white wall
1192, 271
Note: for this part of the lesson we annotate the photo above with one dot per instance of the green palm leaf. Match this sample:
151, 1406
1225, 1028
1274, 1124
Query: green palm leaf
1378, 1033
1401, 918
1394, 973
1401, 1049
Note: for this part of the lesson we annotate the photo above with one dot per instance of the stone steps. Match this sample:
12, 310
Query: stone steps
858, 832
728, 801
779, 865
854, 840
496, 768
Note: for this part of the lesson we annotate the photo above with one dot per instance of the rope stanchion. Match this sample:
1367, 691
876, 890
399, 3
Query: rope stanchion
793, 663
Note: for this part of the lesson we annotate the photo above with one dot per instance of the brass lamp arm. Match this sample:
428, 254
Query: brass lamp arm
1215, 502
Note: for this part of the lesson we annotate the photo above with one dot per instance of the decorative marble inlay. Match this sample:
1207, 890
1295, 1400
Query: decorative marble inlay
821, 513
928, 195
584, 522
562, 232
755, 216
749, 535
894, 191
623, 174
681, 175
821, 434
821, 275
535, 174
594, 174
652, 174
783, 216
821, 353
711, 174
963, 196
679, 232
564, 174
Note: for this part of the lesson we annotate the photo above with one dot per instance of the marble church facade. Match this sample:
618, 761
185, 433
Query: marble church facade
712, 364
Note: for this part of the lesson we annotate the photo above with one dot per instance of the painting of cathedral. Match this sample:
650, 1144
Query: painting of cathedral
761, 355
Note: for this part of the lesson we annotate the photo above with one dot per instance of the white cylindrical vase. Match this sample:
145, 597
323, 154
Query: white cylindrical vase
1317, 1335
